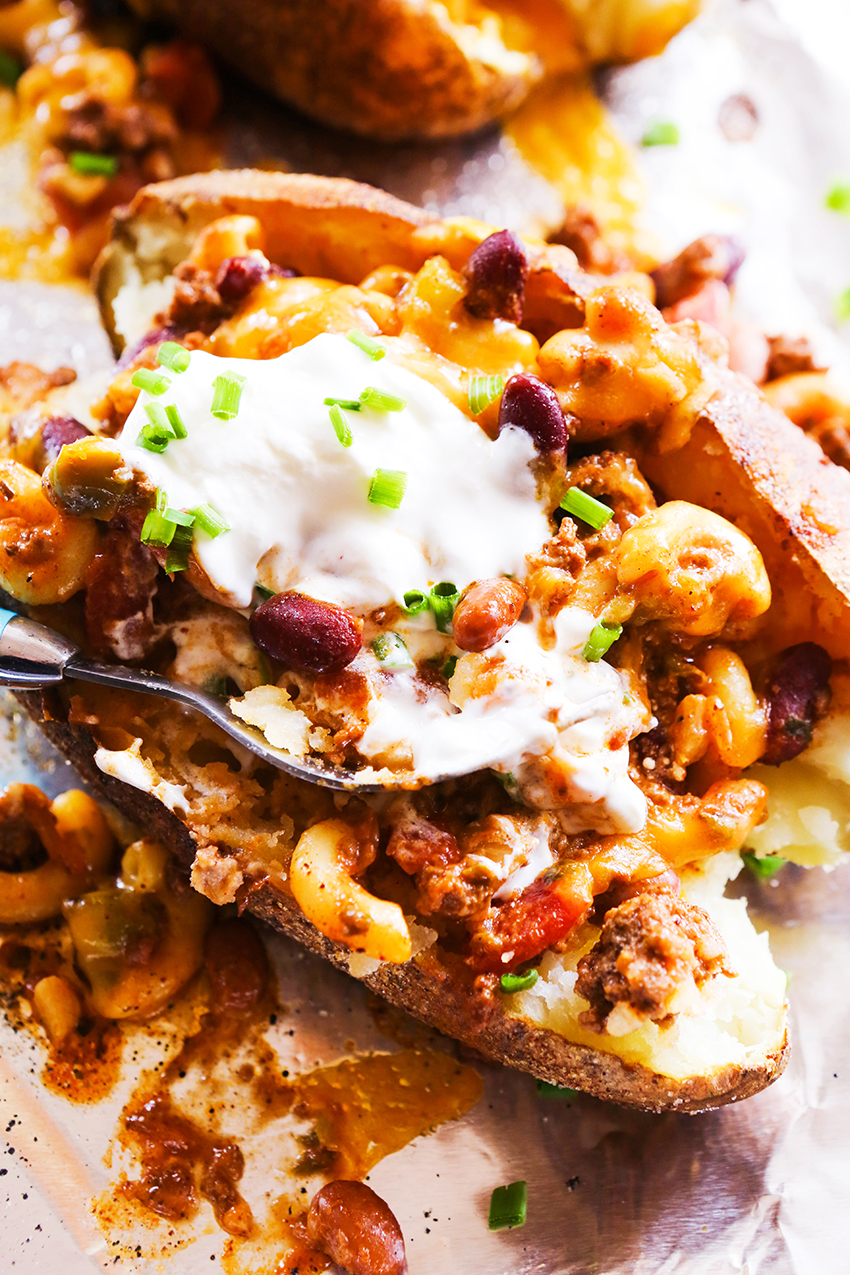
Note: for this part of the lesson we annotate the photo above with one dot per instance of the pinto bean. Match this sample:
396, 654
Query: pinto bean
305, 635
798, 695
486, 612
357, 1230
531, 405
495, 275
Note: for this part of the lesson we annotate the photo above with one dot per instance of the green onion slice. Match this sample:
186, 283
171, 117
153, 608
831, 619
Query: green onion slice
661, 133
161, 499
588, 508
175, 420
340, 425
518, 982
508, 1206
177, 558
350, 404
157, 529
180, 517
173, 356
415, 601
444, 598
763, 867
483, 390
211, 521
89, 165
387, 487
838, 198
10, 69
227, 391
448, 669
391, 651
367, 344
381, 401
545, 1090
602, 637
146, 379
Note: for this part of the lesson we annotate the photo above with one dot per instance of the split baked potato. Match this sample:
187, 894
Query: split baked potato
655, 990
401, 69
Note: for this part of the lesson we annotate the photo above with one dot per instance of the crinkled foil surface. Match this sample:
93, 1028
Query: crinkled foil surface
761, 1188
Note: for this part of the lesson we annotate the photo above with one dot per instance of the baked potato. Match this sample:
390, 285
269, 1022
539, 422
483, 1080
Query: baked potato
403, 69
575, 1004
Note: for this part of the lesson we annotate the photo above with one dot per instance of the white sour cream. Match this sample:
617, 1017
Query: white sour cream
297, 504
297, 500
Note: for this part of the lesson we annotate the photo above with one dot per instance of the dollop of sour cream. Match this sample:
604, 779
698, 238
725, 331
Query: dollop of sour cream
297, 504
297, 500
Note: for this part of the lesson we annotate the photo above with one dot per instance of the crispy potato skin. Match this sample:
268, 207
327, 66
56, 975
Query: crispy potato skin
423, 987
748, 462
390, 69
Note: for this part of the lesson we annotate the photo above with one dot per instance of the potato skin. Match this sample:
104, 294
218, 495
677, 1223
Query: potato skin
424, 988
390, 69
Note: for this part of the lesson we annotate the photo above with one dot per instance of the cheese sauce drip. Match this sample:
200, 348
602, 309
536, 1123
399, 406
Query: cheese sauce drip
297, 500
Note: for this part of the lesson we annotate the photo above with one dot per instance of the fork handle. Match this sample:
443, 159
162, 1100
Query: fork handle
31, 655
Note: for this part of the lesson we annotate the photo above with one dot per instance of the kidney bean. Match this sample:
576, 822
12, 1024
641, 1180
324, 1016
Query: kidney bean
798, 695
170, 332
356, 1229
495, 277
710, 257
59, 430
531, 405
237, 276
306, 635
485, 613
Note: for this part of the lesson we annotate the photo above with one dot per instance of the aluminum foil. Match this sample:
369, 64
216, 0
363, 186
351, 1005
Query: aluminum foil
757, 1188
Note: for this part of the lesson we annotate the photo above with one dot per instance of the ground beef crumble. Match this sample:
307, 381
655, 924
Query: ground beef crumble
650, 946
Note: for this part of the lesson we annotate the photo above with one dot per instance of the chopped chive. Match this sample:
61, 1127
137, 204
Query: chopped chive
518, 982
89, 165
173, 356
842, 306
601, 638
157, 434
765, 866
177, 558
547, 1090
180, 517
211, 521
350, 404
483, 390
340, 424
391, 651
175, 420
508, 1206
449, 667
157, 529
381, 401
367, 344
227, 391
10, 69
387, 487
154, 382
161, 499
588, 508
415, 601
838, 198
661, 133
444, 598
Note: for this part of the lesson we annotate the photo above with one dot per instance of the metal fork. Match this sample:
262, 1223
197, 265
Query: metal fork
33, 656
